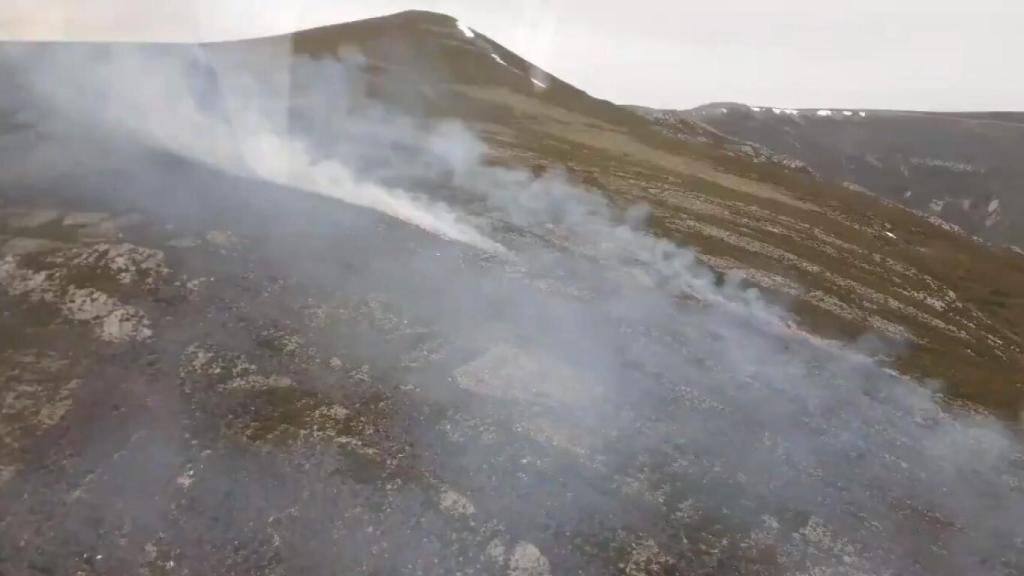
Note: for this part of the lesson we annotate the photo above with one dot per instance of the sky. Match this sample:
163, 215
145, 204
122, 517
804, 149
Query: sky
906, 54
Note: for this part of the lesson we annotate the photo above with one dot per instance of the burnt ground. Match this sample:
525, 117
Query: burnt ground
246, 434
247, 396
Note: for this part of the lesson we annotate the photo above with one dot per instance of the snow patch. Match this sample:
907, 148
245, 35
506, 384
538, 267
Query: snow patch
948, 164
538, 83
499, 60
824, 112
993, 206
465, 29
856, 187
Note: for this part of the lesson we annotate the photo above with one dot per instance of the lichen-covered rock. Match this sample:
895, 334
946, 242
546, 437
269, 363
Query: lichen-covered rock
113, 321
527, 560
35, 394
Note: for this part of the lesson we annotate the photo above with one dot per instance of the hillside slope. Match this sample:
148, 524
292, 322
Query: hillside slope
847, 264
960, 167
385, 298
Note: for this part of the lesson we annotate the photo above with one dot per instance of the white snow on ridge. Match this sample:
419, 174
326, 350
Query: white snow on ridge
993, 206
499, 60
755, 108
465, 29
538, 83
947, 164
824, 113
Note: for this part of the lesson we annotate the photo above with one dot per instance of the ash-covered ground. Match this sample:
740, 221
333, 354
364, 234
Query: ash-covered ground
387, 355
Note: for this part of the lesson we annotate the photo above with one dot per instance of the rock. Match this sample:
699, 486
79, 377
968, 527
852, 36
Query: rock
527, 560
129, 264
456, 504
495, 551
113, 321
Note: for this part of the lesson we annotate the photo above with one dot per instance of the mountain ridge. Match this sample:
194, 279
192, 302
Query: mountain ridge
955, 166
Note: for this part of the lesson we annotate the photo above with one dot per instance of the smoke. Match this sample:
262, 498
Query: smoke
157, 98
607, 347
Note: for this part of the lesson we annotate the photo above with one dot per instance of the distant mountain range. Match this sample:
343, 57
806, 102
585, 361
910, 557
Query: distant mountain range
961, 167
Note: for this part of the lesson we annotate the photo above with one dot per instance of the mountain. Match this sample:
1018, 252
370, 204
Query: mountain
959, 167
787, 233
386, 298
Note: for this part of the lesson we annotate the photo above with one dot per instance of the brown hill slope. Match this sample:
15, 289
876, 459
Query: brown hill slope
850, 265
960, 167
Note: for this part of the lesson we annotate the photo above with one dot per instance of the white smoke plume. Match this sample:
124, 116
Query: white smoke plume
122, 87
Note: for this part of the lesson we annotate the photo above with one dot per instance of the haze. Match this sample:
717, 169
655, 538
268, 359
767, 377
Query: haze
911, 54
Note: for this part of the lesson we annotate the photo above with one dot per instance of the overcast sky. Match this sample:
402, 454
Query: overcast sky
917, 54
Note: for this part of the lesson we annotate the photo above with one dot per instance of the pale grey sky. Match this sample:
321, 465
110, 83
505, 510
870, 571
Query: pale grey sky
919, 54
